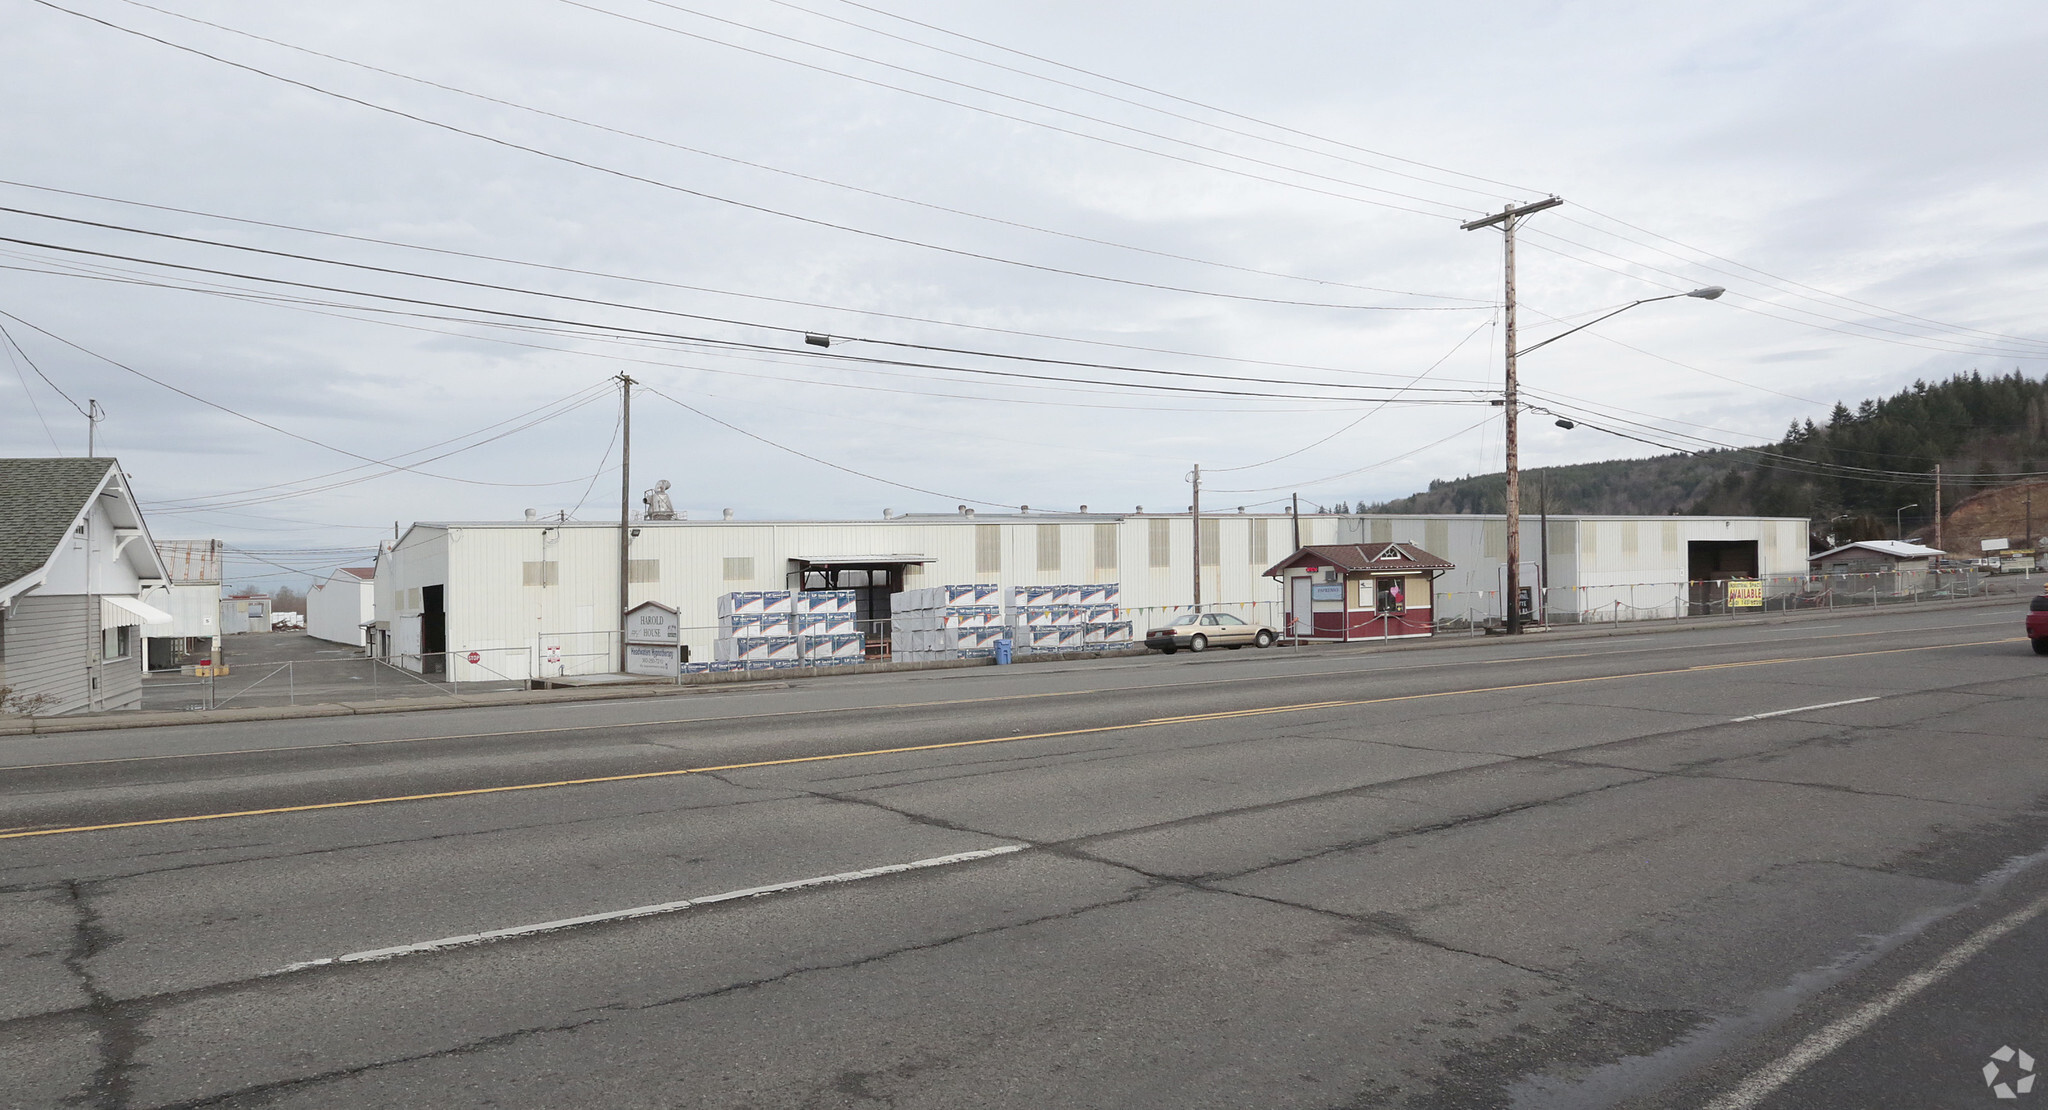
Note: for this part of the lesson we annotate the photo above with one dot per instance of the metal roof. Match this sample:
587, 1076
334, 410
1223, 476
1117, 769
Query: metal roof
1897, 549
1388, 557
40, 499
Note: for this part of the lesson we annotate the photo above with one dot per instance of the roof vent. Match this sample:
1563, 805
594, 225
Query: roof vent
533, 514
725, 514
1084, 508
888, 514
965, 511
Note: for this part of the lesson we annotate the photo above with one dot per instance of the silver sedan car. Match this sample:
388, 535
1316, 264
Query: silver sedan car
1201, 631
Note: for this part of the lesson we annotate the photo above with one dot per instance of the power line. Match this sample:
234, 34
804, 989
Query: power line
1369, 466
1021, 100
821, 462
735, 344
797, 175
29, 393
1374, 411
773, 356
1824, 294
445, 251
1185, 100
703, 195
187, 394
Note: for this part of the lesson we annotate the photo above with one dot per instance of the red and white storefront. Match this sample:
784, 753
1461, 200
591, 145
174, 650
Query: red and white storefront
1365, 591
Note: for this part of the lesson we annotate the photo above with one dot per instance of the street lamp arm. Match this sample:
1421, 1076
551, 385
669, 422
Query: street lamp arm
1709, 293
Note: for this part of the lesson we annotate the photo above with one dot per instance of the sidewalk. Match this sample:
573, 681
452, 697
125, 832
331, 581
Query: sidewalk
95, 722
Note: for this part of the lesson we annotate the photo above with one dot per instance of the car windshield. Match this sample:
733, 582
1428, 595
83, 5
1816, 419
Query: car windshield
1223, 618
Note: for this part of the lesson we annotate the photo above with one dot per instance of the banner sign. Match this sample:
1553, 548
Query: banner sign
1745, 593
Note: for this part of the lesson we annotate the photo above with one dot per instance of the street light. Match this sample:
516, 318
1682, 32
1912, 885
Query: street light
1899, 520
1506, 218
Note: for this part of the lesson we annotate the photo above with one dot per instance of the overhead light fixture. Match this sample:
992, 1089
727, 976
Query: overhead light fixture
816, 340
1566, 424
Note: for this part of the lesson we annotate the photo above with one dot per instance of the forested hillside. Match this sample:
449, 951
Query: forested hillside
1848, 476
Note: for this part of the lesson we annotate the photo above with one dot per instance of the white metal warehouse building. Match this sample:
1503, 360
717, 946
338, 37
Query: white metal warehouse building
538, 598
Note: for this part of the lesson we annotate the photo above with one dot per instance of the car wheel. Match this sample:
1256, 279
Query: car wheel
1263, 639
1198, 642
1167, 649
2041, 645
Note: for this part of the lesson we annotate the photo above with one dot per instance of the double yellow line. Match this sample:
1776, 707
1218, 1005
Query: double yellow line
1156, 722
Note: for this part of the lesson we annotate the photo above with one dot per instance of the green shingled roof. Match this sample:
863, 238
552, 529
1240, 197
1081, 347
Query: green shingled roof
39, 498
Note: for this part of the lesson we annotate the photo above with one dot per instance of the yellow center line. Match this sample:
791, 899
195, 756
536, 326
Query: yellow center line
1094, 730
940, 704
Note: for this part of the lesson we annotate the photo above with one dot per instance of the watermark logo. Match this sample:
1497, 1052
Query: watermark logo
2022, 1070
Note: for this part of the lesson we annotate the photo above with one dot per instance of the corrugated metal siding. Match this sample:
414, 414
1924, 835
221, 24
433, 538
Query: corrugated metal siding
49, 649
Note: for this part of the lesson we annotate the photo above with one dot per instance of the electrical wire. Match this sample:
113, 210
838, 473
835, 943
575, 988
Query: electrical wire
1824, 294
762, 166
1374, 411
1454, 211
602, 460
824, 462
449, 252
1185, 100
703, 195
1368, 466
30, 394
187, 394
1136, 103
734, 344
376, 315
576, 400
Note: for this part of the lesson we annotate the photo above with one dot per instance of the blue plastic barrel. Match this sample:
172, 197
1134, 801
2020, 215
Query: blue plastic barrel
1002, 651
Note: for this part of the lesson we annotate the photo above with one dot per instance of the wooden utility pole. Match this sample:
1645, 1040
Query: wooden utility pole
1296, 513
625, 504
1195, 514
93, 413
1507, 219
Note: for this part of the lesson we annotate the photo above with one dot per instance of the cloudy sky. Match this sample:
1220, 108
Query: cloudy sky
327, 267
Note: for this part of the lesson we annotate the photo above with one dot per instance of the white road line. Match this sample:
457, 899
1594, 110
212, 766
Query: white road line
1840, 1032
374, 954
1801, 709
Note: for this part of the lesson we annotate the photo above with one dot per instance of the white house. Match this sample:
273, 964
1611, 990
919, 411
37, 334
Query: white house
338, 608
539, 598
75, 558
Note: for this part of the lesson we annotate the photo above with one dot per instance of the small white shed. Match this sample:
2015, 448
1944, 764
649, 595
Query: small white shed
337, 609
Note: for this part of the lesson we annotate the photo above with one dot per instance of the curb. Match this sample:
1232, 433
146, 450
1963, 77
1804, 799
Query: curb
572, 694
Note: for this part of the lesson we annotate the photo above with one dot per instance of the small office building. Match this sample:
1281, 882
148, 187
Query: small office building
1372, 591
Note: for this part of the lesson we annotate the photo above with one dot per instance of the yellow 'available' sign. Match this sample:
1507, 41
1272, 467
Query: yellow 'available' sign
1745, 593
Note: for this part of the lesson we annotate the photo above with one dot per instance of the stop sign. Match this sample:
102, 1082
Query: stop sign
475, 657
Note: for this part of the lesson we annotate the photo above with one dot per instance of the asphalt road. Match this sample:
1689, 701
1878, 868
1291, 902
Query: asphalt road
1785, 866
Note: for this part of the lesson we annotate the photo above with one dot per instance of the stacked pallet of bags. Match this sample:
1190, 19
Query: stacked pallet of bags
778, 629
1067, 618
946, 622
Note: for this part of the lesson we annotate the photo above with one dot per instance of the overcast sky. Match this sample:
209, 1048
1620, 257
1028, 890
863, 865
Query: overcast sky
1261, 201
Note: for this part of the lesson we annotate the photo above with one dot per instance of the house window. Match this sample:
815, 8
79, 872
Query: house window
1389, 596
116, 642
